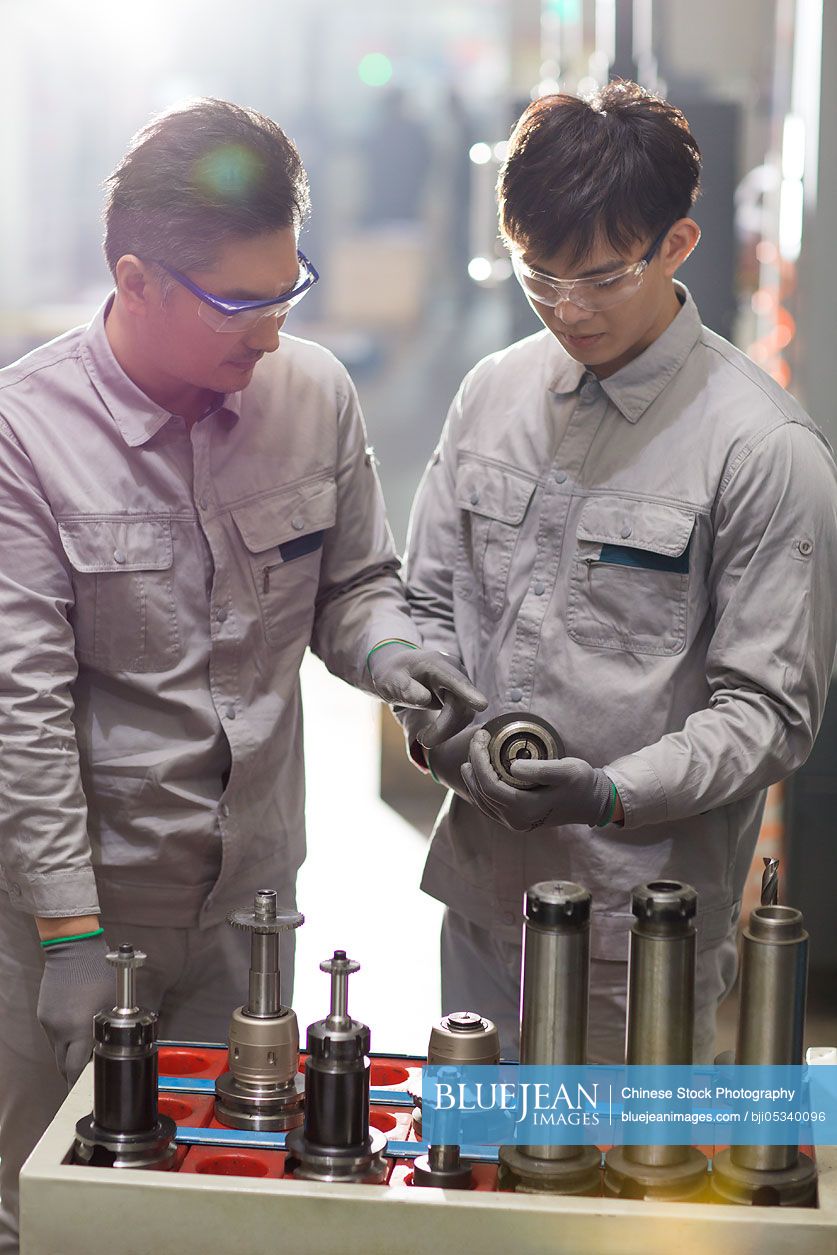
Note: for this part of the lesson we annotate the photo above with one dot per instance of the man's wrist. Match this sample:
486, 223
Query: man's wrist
67, 926
393, 640
613, 812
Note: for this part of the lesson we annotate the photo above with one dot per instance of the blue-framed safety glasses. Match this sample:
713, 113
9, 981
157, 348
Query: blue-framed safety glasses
236, 316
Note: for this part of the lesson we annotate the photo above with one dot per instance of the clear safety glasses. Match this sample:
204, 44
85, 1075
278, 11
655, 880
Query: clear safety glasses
237, 316
589, 294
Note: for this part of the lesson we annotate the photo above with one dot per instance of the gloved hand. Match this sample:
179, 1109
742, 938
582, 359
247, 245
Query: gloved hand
570, 791
425, 679
446, 761
77, 982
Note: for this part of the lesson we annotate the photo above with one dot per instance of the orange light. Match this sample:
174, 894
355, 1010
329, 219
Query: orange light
781, 372
786, 319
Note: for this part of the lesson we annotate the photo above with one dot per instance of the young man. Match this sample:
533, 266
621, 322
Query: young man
628, 529
182, 512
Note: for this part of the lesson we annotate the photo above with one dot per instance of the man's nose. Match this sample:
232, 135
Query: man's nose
570, 313
264, 336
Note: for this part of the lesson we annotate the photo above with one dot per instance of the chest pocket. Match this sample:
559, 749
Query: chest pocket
630, 583
493, 501
284, 536
124, 617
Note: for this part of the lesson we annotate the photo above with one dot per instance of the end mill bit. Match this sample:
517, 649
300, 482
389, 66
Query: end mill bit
770, 882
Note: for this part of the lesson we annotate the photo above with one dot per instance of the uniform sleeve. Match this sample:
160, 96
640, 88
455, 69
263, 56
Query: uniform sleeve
432, 542
771, 583
44, 847
360, 599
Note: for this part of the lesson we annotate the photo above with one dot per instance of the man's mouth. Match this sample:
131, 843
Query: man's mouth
581, 342
244, 363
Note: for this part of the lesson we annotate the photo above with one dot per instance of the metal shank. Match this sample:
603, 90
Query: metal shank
556, 976
661, 990
771, 1022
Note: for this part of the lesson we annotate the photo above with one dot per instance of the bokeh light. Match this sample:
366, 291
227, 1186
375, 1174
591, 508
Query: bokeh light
375, 69
479, 268
480, 154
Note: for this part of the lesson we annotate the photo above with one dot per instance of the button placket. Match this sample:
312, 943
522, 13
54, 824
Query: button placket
551, 536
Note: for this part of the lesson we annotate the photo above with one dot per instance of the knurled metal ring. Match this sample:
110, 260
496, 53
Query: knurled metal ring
283, 921
520, 737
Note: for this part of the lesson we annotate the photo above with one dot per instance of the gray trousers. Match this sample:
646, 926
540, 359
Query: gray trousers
482, 973
193, 977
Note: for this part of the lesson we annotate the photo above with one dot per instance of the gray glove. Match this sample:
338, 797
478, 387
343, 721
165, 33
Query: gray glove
570, 792
425, 679
77, 982
446, 762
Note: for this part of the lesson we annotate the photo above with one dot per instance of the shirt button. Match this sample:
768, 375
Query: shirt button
231, 712
225, 810
118, 556
220, 615
806, 547
560, 477
298, 523
626, 531
538, 588
516, 695
475, 498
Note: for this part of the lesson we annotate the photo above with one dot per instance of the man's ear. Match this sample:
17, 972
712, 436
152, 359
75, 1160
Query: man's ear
136, 285
680, 242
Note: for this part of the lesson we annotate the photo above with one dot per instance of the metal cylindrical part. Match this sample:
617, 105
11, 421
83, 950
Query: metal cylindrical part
339, 997
520, 738
263, 995
126, 998
556, 977
556, 974
442, 1157
464, 1037
442, 1167
335, 1141
660, 1031
771, 1018
661, 989
125, 1091
125, 1128
337, 1104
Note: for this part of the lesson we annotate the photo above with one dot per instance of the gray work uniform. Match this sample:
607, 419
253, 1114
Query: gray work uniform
158, 589
649, 563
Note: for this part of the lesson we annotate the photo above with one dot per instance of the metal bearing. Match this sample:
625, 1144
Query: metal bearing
517, 738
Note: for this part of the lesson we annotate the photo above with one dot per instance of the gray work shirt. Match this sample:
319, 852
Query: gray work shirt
158, 588
648, 562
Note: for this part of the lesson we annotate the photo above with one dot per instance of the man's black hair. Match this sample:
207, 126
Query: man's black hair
197, 176
618, 167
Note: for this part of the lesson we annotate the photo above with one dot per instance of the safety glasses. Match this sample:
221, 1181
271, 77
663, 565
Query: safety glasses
237, 316
590, 294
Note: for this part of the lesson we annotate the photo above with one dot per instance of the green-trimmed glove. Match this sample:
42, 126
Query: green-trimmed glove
424, 679
77, 982
570, 791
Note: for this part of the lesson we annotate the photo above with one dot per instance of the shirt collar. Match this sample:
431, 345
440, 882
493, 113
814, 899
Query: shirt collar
136, 416
635, 386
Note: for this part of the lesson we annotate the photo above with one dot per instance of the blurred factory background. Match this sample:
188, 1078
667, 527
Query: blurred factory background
401, 112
